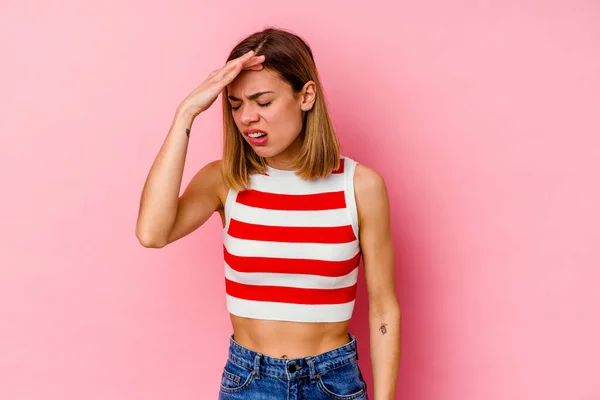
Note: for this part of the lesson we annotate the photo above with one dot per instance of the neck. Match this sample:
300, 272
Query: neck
284, 160
280, 162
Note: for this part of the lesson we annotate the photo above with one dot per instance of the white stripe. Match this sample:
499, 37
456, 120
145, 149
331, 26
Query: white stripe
290, 312
296, 185
349, 168
262, 216
229, 202
310, 251
303, 281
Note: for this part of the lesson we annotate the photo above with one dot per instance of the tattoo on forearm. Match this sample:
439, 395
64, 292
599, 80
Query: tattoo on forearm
383, 329
187, 132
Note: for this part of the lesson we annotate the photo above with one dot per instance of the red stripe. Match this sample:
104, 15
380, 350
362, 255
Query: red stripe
284, 294
291, 265
291, 234
292, 202
340, 170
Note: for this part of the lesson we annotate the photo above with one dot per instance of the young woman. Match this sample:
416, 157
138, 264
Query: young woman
297, 217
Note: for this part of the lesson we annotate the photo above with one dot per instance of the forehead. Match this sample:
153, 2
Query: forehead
248, 82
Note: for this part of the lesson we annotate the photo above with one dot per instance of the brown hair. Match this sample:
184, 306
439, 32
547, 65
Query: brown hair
291, 58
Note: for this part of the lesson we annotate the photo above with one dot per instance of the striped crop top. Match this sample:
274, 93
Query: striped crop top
291, 247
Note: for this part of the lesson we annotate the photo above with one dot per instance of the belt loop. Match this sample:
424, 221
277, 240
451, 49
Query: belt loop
256, 371
312, 370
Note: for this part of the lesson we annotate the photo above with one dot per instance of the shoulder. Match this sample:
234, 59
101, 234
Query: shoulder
209, 180
367, 180
210, 173
370, 191
214, 167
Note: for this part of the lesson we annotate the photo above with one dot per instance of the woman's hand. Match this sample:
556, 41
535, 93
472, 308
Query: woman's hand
201, 98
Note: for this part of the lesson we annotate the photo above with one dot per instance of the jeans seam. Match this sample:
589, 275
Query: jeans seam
354, 361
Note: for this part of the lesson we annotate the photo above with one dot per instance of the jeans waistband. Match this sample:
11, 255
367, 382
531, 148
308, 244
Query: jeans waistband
293, 368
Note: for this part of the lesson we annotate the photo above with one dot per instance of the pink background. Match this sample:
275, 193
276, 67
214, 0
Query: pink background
483, 117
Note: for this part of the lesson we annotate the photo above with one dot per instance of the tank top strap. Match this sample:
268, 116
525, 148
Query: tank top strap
231, 196
349, 169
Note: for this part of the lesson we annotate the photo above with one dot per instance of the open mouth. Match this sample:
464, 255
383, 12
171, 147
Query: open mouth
257, 138
256, 135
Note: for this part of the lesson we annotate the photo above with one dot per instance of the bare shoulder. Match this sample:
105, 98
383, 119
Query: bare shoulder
371, 193
208, 175
208, 180
213, 168
368, 182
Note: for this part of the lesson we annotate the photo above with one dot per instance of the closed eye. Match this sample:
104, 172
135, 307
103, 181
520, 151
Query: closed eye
261, 105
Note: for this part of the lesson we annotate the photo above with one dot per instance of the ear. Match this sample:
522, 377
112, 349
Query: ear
308, 95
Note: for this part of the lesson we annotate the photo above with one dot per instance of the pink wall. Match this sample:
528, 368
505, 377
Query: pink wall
482, 116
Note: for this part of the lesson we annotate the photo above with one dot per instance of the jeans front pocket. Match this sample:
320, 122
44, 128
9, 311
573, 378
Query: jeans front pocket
343, 383
235, 378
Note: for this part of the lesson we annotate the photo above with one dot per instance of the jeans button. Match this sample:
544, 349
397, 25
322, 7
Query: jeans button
291, 368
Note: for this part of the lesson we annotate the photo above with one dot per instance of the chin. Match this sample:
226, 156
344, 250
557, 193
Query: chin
265, 151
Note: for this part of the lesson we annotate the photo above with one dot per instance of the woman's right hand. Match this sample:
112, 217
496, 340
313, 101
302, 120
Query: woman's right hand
201, 98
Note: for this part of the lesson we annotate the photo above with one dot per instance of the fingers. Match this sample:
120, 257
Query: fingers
230, 70
253, 59
250, 63
242, 59
230, 74
247, 60
245, 57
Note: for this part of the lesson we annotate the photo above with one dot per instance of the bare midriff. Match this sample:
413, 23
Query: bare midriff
285, 339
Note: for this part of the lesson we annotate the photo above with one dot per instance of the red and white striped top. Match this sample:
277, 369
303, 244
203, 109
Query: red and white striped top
291, 247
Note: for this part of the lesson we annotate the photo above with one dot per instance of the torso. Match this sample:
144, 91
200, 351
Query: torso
284, 339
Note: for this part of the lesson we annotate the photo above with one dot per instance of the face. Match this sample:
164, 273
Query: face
268, 113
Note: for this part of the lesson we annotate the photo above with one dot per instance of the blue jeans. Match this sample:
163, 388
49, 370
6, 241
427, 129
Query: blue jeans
334, 374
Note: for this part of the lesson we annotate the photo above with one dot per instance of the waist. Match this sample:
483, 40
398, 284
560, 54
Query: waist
294, 367
286, 339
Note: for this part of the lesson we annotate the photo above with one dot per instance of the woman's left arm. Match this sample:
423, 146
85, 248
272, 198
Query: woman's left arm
378, 257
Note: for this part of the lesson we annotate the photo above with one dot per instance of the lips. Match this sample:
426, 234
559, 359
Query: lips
256, 137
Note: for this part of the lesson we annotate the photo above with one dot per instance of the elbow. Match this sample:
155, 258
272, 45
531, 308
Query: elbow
149, 240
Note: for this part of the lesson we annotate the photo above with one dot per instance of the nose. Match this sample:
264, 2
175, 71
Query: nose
248, 115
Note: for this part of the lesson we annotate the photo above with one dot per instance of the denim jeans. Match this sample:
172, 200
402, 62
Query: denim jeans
334, 374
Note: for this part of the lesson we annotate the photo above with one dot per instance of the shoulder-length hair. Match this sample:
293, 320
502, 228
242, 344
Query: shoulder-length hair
291, 58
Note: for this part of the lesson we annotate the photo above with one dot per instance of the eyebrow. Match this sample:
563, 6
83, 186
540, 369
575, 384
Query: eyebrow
251, 97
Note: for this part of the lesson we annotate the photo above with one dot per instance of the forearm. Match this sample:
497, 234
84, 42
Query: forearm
158, 204
385, 338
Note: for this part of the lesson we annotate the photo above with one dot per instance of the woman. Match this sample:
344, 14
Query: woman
297, 217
